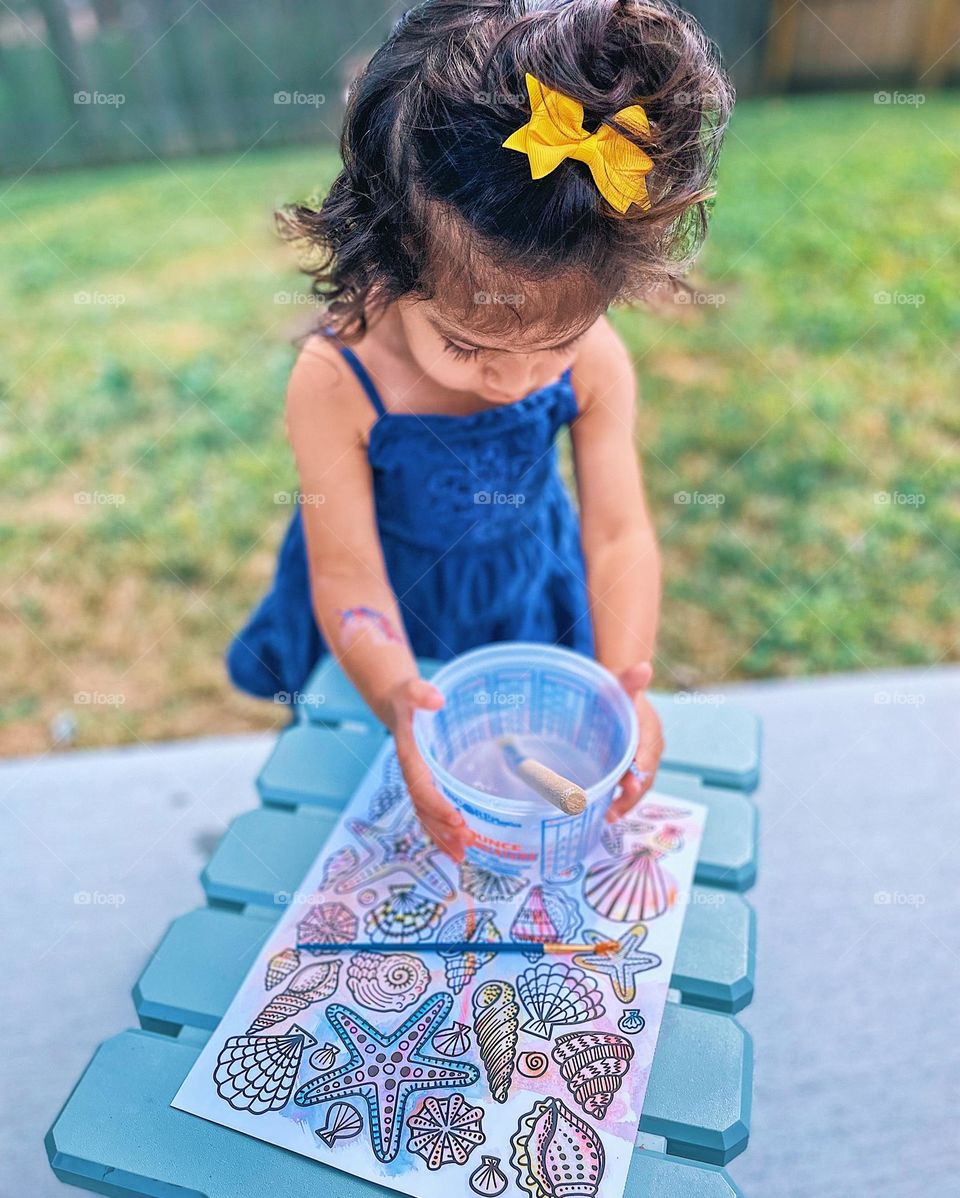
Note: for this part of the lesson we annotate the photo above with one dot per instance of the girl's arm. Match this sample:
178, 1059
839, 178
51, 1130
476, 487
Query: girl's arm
619, 542
354, 604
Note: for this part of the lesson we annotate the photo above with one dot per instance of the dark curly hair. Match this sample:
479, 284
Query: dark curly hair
428, 204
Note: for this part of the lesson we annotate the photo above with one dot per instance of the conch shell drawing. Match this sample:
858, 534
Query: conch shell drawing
495, 1019
593, 1064
556, 1154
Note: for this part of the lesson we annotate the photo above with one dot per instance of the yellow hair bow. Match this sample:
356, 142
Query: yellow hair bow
555, 132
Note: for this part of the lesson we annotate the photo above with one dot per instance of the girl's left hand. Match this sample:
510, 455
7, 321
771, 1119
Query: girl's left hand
635, 681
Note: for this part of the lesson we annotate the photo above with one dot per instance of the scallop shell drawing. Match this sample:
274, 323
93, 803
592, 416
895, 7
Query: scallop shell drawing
280, 966
403, 916
593, 1064
630, 888
631, 1022
445, 1130
557, 995
473, 926
556, 1154
546, 915
310, 985
452, 1041
488, 887
488, 1179
323, 1058
669, 838
386, 981
258, 1073
327, 923
343, 1123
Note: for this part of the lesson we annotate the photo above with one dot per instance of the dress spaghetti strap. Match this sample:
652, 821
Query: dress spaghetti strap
360, 371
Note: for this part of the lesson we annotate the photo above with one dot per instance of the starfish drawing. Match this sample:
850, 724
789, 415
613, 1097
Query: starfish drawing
399, 847
387, 1070
622, 966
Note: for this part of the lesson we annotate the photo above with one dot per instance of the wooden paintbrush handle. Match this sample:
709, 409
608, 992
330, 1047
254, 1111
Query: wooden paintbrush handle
565, 795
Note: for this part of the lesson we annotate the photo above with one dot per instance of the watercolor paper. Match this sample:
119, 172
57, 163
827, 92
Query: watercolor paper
488, 1071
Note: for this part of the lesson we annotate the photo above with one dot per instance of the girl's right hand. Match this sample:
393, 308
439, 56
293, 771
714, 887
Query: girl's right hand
443, 823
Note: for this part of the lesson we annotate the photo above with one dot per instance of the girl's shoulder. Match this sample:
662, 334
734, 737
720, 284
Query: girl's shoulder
323, 392
603, 371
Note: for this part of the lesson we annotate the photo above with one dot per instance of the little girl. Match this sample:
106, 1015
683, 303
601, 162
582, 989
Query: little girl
511, 168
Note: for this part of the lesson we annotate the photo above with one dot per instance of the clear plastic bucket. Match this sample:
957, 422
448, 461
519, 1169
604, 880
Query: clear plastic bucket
518, 688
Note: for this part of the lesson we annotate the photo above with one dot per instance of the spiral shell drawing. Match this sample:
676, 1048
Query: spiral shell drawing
547, 915
473, 926
403, 916
488, 887
556, 1154
258, 1073
386, 981
343, 1123
327, 923
452, 1041
557, 995
532, 1064
280, 966
310, 985
631, 887
593, 1064
445, 1130
495, 1019
488, 1179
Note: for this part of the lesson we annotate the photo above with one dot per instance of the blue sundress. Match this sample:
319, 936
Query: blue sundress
480, 538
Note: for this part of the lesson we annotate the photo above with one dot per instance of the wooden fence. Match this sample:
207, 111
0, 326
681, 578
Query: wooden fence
94, 81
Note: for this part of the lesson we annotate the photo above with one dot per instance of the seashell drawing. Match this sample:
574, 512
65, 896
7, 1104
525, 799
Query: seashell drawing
258, 1073
556, 1154
630, 887
532, 1064
343, 1123
445, 1130
386, 981
391, 790
622, 965
495, 1019
546, 915
593, 1064
310, 985
473, 926
669, 839
488, 1179
324, 1057
327, 923
557, 995
452, 1041
403, 916
280, 966
614, 836
340, 863
367, 898
631, 1022
488, 887
660, 811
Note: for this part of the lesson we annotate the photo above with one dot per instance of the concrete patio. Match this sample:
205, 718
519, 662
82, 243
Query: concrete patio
857, 903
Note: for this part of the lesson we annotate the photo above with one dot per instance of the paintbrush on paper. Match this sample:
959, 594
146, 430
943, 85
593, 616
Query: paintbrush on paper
565, 795
529, 947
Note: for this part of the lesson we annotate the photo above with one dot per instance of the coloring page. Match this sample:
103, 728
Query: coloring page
435, 1073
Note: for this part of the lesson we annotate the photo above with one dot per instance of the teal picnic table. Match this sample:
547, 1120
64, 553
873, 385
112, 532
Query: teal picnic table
117, 1133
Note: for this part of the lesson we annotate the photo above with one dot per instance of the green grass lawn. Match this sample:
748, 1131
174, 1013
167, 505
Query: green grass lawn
806, 405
